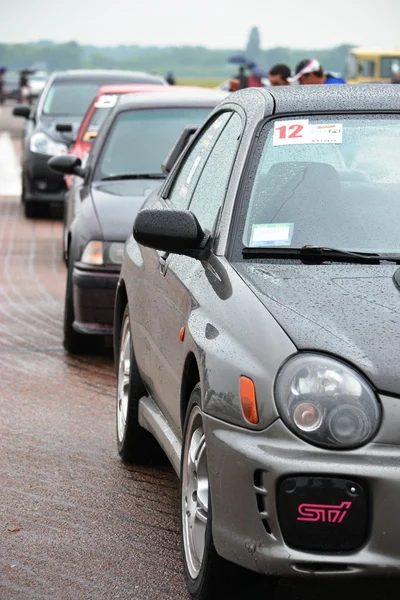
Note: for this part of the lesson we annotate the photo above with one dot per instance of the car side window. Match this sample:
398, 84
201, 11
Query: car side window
213, 182
187, 178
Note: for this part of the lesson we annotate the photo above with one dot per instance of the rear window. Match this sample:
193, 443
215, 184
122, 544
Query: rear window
139, 140
103, 106
70, 98
327, 182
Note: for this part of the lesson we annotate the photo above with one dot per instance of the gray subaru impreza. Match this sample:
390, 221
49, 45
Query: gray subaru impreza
257, 337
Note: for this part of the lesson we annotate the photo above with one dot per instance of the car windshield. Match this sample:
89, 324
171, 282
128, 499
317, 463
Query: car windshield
101, 109
70, 98
323, 181
140, 140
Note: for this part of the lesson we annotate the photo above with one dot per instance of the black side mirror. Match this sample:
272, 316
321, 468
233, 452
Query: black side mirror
67, 164
64, 127
176, 231
178, 148
22, 110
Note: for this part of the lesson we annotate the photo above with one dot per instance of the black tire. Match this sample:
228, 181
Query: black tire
135, 444
218, 578
73, 342
31, 209
23, 190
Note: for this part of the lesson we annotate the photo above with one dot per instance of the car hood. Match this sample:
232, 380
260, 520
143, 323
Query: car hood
48, 125
117, 203
351, 311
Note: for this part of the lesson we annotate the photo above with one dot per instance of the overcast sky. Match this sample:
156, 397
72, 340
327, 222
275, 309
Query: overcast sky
212, 23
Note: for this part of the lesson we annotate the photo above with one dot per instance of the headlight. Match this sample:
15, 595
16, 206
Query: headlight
43, 144
103, 253
326, 402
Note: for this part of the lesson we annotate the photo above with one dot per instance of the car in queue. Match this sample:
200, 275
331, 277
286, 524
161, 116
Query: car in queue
256, 338
122, 168
102, 104
51, 126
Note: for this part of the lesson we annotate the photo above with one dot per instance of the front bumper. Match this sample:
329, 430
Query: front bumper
246, 470
41, 183
94, 297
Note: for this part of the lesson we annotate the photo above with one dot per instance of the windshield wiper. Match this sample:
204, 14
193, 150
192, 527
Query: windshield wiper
134, 176
319, 254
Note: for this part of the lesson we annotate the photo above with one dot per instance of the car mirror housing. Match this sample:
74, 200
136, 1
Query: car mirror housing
67, 164
64, 127
176, 231
22, 110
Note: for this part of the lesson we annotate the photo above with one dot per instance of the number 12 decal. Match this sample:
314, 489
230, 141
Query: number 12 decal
290, 132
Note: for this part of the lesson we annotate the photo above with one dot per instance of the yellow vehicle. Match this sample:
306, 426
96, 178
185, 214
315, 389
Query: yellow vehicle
364, 65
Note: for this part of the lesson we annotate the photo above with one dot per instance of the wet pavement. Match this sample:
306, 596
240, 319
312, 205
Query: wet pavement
75, 523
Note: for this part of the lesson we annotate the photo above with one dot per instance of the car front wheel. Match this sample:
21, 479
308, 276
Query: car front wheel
208, 576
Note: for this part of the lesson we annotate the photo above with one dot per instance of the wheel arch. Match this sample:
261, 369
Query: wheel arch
121, 300
190, 378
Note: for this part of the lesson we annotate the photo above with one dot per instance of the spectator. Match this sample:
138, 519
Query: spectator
254, 81
309, 71
234, 85
170, 78
242, 78
279, 75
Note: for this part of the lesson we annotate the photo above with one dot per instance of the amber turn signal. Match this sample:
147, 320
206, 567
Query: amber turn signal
248, 399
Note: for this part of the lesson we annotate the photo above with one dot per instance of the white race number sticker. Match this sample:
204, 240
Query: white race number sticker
290, 132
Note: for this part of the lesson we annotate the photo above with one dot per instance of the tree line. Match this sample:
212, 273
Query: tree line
184, 61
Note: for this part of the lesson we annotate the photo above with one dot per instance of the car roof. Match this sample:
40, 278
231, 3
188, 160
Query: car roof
300, 99
177, 97
104, 75
126, 88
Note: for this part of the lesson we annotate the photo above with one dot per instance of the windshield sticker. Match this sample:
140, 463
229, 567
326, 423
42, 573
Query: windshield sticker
325, 133
302, 132
106, 101
290, 132
271, 234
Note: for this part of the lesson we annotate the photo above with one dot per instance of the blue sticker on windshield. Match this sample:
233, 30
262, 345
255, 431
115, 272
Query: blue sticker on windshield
271, 234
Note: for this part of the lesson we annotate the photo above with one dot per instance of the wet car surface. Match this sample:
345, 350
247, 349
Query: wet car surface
75, 522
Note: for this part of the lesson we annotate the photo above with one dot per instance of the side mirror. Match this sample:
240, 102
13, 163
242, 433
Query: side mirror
176, 231
22, 110
178, 148
64, 127
67, 164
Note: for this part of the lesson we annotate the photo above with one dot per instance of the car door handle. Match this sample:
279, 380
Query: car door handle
163, 263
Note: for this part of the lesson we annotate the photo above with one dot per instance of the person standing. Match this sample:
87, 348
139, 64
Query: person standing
242, 78
279, 75
309, 71
170, 78
2, 71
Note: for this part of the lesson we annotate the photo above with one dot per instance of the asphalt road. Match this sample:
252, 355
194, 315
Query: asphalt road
75, 523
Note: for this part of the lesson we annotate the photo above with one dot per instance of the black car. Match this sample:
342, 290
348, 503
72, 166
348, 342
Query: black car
10, 86
52, 124
122, 168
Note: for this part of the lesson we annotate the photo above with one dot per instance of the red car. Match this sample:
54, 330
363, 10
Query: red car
105, 100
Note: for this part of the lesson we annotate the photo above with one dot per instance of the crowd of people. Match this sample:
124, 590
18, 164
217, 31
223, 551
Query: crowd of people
308, 71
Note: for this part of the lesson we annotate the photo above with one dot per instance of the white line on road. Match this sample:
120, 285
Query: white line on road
10, 168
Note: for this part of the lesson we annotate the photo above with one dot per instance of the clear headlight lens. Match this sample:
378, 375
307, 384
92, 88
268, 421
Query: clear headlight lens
326, 402
43, 144
103, 253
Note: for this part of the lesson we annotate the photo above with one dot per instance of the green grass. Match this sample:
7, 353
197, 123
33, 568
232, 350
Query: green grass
210, 82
